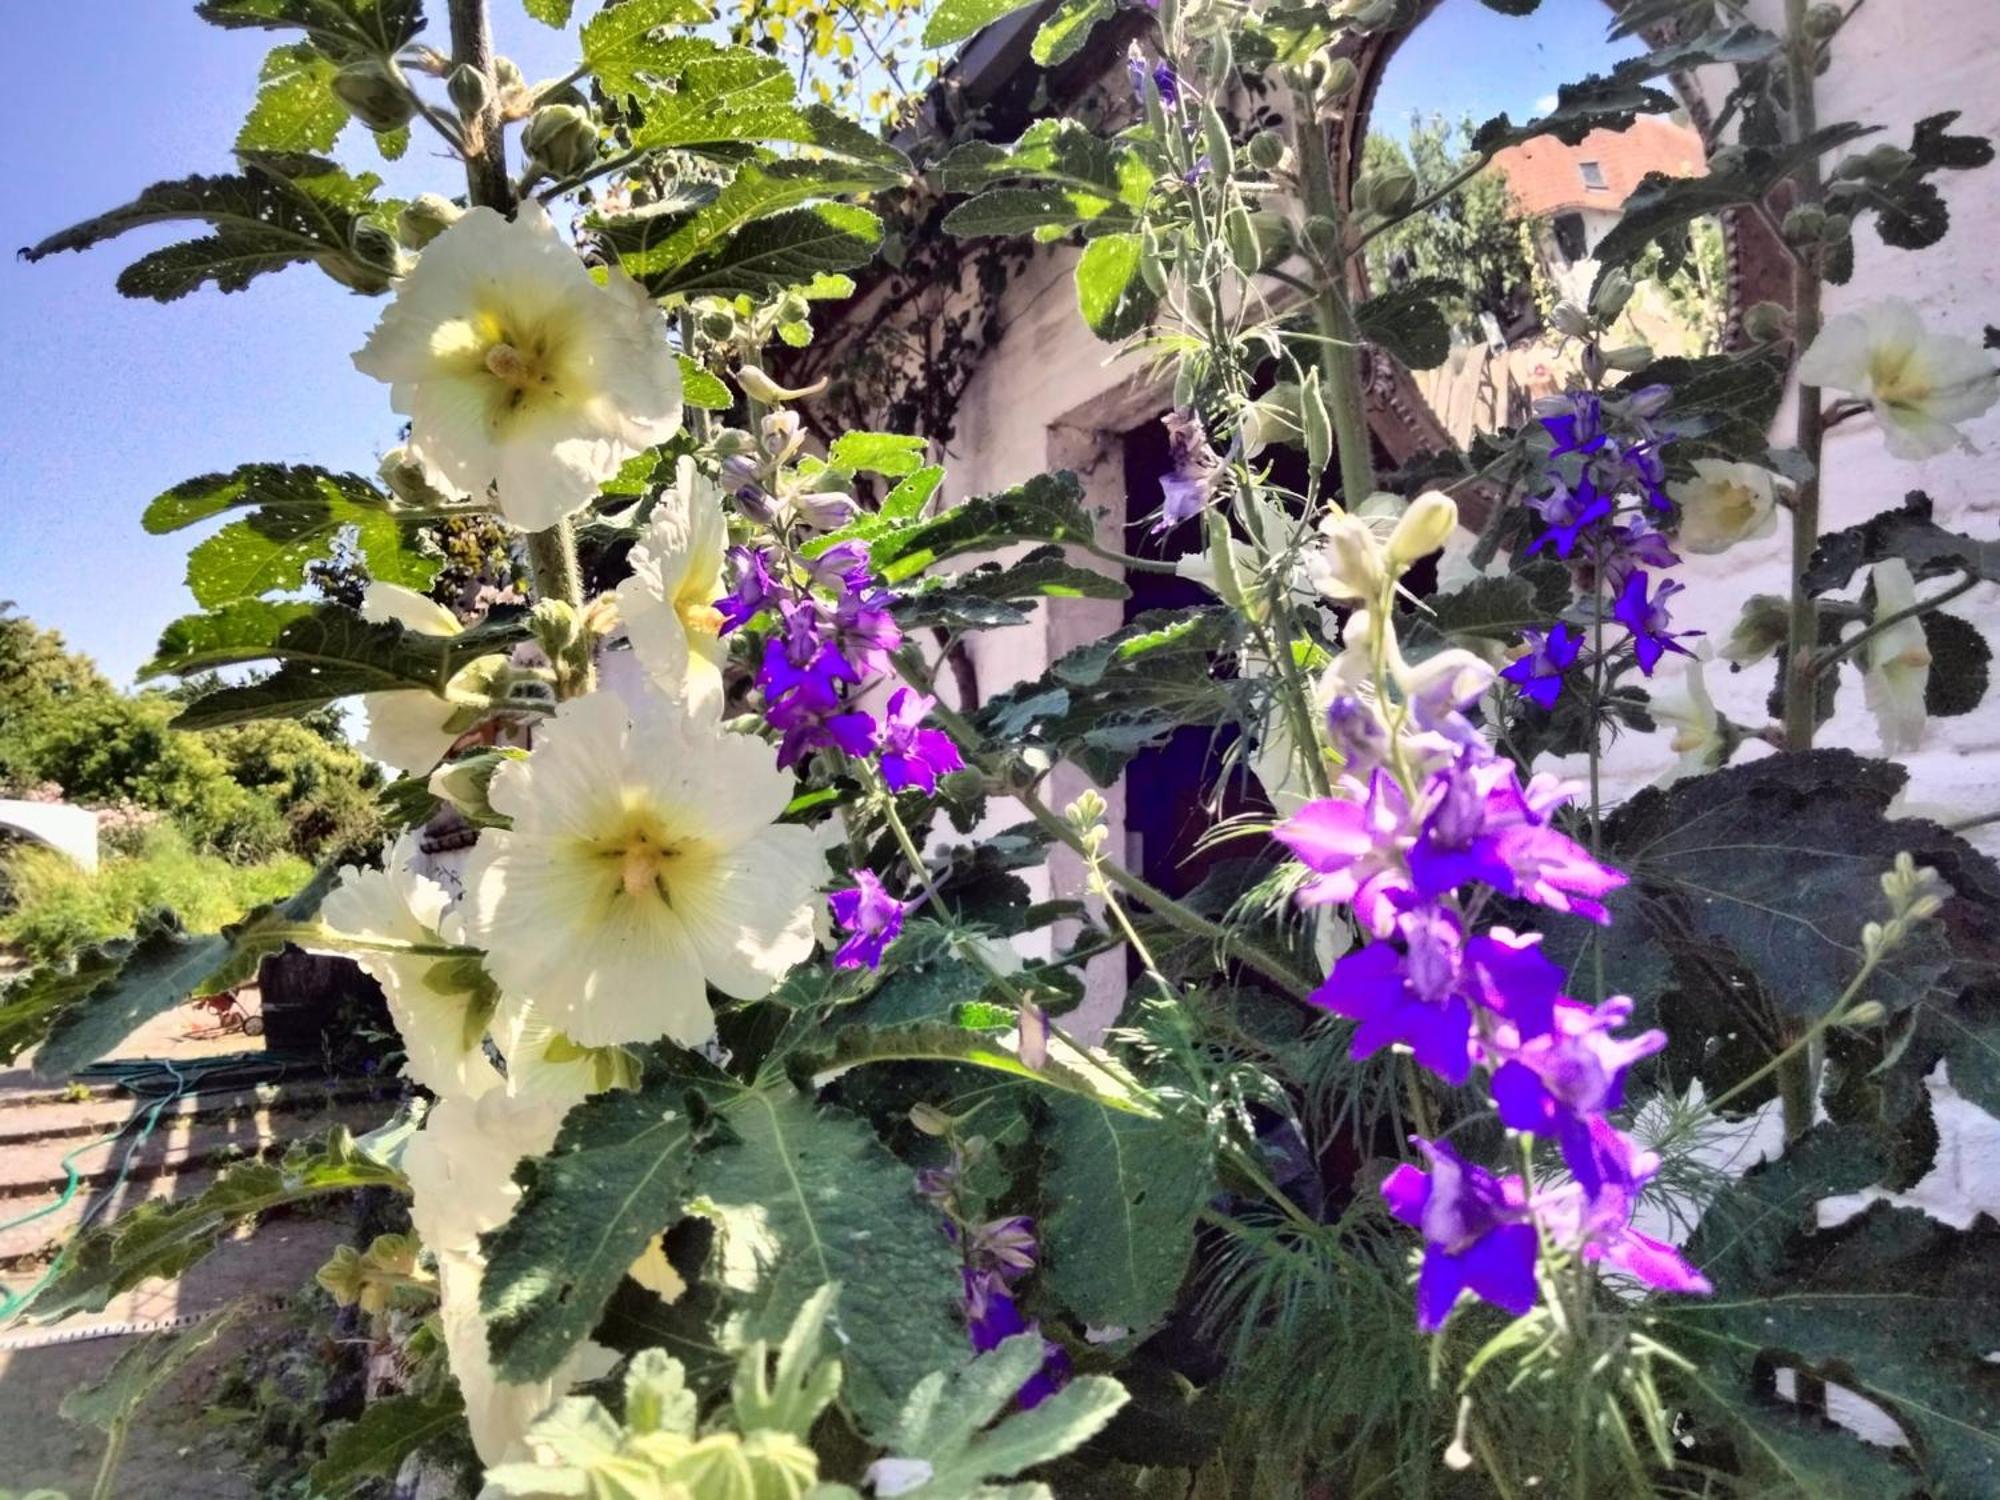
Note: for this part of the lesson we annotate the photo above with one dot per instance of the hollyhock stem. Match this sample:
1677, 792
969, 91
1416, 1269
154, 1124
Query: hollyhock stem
1340, 346
1831, 657
551, 553
1795, 1083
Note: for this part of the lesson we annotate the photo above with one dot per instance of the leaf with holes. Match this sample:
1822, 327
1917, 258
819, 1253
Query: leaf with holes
344, 28
1907, 532
296, 108
1111, 294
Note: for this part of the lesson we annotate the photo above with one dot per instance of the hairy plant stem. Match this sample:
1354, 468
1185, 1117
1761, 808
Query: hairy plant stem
1826, 660
551, 553
1340, 344
1797, 1085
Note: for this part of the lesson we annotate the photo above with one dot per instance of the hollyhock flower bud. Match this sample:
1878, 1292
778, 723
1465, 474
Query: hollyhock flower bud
1422, 529
425, 217
374, 94
561, 139
469, 89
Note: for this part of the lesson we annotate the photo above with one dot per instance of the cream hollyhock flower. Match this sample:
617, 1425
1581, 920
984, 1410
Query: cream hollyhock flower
1698, 740
1724, 504
407, 730
440, 1007
518, 371
668, 603
1919, 383
460, 1168
1897, 665
643, 865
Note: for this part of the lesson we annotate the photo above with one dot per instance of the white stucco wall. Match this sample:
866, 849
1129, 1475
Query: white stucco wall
72, 830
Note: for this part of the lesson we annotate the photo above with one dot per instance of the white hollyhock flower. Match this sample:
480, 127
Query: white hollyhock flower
407, 730
1724, 504
518, 371
643, 865
1698, 740
1897, 665
1919, 383
668, 603
441, 1022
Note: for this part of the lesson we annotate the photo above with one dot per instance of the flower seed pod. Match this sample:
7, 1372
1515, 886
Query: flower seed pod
1387, 190
374, 94
1152, 270
1315, 422
1822, 21
469, 89
1614, 290
561, 139
425, 217
1570, 320
1804, 224
1430, 519
1266, 149
1242, 236
1629, 357
1766, 322
1215, 136
761, 387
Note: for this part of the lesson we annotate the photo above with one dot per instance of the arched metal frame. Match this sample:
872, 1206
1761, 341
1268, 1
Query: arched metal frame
1757, 267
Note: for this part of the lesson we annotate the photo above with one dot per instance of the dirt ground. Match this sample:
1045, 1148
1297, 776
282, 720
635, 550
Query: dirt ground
175, 1450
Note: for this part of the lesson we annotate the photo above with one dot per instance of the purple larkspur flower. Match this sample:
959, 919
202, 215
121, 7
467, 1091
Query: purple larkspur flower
914, 755
865, 629
843, 565
1549, 1085
1567, 512
1199, 170
1649, 620
1481, 825
1358, 735
1579, 429
1539, 675
755, 587
1353, 846
1423, 997
1194, 467
992, 1316
1162, 76
806, 709
1005, 1246
1634, 542
1642, 463
1597, 1223
870, 916
1476, 1229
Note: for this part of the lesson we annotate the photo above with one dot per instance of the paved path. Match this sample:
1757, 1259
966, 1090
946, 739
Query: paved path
173, 1453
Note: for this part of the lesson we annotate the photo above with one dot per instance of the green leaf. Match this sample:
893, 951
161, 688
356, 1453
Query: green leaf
738, 97
163, 967
144, 1368
1755, 883
1104, 702
300, 512
1047, 508
1060, 174
816, 1200
1892, 1305
886, 453
1726, 402
1124, 1194
1961, 665
1501, 608
955, 20
389, 1430
990, 594
1063, 34
1111, 294
282, 209
376, 28
1408, 322
701, 389
362, 656
1662, 204
940, 1424
30, 1002
1089, 1078
624, 45
555, 1263
296, 109
1908, 533
554, 13
777, 252
160, 1238
660, 240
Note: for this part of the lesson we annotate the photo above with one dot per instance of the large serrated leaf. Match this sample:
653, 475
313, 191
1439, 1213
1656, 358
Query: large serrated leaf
634, 47
300, 512
773, 253
1063, 34
377, 28
992, 593
164, 1239
1124, 1193
1113, 297
738, 97
164, 967
296, 109
1907, 532
284, 208
1047, 508
955, 20
552, 1267
389, 1430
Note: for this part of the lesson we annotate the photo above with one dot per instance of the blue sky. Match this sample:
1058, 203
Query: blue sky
106, 402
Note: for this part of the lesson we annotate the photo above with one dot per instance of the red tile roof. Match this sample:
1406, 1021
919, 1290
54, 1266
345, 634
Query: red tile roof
1547, 176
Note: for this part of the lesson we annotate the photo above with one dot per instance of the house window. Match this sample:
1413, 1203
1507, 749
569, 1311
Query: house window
1593, 175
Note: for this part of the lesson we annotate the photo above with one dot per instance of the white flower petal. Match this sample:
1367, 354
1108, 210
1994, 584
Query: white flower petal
668, 604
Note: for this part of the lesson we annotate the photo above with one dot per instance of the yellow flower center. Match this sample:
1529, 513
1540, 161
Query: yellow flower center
1896, 377
642, 863
699, 617
524, 358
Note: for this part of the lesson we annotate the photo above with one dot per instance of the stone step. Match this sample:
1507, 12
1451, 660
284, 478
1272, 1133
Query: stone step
101, 1114
34, 1242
